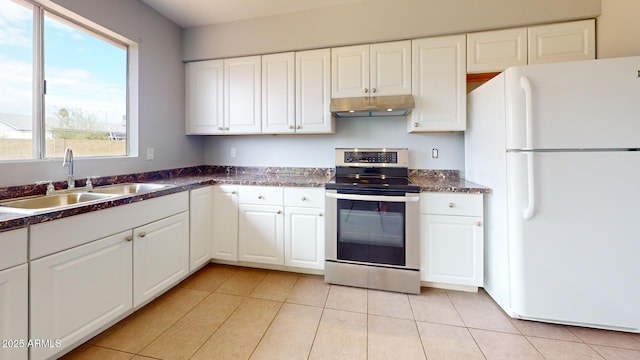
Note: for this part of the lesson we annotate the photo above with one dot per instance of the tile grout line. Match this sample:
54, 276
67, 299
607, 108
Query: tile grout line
465, 325
172, 325
415, 324
225, 320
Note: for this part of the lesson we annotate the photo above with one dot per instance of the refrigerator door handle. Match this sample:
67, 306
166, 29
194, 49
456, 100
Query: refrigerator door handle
531, 188
525, 84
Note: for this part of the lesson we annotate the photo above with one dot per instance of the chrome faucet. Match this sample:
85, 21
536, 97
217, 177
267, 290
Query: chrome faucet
68, 162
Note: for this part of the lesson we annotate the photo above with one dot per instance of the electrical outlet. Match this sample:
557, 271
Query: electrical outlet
233, 152
434, 153
150, 153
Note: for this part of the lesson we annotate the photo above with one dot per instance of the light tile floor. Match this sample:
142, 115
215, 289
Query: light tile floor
226, 312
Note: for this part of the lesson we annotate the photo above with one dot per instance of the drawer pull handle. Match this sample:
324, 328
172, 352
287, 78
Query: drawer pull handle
451, 205
320, 214
260, 197
303, 198
142, 234
233, 192
279, 212
478, 223
129, 238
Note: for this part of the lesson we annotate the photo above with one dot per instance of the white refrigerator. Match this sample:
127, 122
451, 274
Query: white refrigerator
559, 146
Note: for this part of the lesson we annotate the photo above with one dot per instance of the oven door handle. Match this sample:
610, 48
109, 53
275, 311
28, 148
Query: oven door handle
407, 198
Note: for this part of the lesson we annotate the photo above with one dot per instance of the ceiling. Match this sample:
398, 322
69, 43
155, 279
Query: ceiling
190, 13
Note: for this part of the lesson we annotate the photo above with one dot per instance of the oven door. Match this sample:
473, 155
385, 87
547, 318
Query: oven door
373, 228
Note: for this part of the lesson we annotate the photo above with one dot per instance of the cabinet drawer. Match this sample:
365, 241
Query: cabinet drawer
451, 204
260, 195
13, 248
304, 197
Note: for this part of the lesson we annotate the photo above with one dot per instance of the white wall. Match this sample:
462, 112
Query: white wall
618, 28
375, 21
161, 97
317, 150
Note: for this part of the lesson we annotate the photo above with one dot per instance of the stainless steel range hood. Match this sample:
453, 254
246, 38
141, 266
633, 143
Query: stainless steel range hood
400, 105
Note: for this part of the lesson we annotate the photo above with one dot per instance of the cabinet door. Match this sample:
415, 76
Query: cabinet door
242, 110
260, 234
78, 291
304, 237
562, 42
313, 77
390, 70
160, 256
278, 81
201, 226
494, 51
14, 300
204, 111
452, 249
350, 71
439, 84
225, 223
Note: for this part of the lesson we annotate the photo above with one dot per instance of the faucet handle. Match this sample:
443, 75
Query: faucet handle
88, 184
49, 183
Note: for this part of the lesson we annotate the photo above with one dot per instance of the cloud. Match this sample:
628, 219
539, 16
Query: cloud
15, 24
71, 88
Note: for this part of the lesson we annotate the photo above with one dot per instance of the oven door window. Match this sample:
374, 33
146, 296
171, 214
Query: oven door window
371, 232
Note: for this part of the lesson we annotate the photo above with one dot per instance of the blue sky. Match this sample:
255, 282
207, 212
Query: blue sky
81, 70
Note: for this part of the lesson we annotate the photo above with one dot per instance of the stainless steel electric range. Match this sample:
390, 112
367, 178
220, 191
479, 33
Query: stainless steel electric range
372, 224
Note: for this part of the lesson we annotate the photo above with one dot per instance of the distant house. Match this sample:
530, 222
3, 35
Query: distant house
16, 126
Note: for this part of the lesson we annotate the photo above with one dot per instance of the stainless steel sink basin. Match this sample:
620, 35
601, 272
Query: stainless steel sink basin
52, 202
130, 188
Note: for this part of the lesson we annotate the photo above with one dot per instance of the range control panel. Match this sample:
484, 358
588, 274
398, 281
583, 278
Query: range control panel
372, 157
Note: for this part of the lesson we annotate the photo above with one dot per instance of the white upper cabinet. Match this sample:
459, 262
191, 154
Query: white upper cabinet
242, 100
371, 70
313, 79
204, 87
494, 51
278, 104
439, 84
562, 42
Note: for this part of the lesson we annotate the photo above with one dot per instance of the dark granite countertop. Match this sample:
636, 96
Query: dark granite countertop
191, 178
445, 181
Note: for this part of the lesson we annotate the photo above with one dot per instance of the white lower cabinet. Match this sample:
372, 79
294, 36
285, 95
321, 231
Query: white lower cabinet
77, 291
225, 223
304, 238
261, 234
304, 228
200, 226
452, 239
261, 225
160, 256
14, 300
14, 295
269, 225
90, 270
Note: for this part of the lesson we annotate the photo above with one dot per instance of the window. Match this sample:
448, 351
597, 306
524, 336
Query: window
63, 85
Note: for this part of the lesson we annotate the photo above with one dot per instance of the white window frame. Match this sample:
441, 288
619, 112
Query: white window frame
132, 106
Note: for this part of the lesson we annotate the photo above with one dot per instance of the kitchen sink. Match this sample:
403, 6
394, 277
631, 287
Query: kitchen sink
52, 202
129, 188
71, 197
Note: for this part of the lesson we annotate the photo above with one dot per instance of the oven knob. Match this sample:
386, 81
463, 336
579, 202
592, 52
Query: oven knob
452, 205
